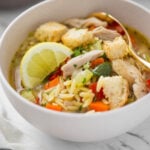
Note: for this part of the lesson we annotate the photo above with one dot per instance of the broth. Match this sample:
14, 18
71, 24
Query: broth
140, 43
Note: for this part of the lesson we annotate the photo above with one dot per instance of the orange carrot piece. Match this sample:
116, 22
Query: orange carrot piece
99, 106
53, 107
46, 86
51, 83
96, 62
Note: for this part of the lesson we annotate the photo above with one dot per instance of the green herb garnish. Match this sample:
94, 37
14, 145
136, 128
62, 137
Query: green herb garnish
78, 51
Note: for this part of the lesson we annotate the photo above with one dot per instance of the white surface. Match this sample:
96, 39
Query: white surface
137, 139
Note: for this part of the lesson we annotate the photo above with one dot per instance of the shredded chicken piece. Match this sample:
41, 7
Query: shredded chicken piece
74, 22
116, 49
115, 89
132, 75
105, 34
84, 23
78, 61
94, 21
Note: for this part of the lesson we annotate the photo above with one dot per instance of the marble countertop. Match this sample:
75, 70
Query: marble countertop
136, 139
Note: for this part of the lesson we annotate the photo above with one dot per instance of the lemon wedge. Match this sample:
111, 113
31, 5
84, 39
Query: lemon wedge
40, 60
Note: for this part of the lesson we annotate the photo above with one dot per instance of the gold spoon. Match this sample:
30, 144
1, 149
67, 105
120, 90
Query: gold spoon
110, 19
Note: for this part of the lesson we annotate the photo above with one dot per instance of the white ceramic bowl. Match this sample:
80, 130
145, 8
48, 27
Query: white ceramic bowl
68, 126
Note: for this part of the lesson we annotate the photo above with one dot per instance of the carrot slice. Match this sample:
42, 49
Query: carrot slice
99, 106
96, 62
53, 107
51, 83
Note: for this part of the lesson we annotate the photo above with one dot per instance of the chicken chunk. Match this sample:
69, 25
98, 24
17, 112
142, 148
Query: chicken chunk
77, 37
132, 75
115, 89
116, 49
78, 61
94, 21
74, 22
51, 31
125, 69
83, 23
105, 34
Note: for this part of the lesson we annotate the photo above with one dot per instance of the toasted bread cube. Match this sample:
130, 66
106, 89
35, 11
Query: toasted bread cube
116, 90
116, 49
77, 37
50, 32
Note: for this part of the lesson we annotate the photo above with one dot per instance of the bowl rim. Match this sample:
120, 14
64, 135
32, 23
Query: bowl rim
63, 114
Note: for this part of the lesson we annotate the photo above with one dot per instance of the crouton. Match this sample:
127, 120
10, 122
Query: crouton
50, 32
115, 49
116, 90
77, 37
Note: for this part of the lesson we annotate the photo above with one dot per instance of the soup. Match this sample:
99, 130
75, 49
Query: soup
140, 43
81, 65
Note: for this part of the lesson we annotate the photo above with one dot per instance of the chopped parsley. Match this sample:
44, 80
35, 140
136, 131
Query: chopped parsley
78, 51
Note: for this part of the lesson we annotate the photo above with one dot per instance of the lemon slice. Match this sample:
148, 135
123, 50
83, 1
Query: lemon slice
40, 60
